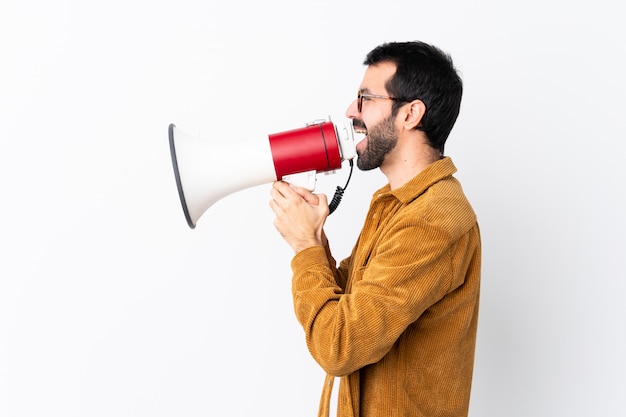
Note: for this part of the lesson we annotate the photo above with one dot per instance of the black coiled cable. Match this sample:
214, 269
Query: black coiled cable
334, 203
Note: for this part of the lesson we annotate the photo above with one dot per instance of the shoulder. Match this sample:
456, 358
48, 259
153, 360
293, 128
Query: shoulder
443, 206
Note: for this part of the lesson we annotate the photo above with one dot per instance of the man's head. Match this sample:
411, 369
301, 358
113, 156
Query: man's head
403, 75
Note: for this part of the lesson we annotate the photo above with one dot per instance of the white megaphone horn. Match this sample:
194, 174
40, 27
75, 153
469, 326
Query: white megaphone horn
208, 170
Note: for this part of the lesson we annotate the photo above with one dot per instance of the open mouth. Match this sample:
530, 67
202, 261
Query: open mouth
360, 136
359, 128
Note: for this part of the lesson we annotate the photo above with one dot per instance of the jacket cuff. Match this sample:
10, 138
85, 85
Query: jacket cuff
309, 257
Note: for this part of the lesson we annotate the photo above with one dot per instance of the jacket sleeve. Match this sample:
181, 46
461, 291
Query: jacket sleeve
408, 271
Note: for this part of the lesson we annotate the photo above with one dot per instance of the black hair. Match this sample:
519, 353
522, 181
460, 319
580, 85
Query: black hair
423, 72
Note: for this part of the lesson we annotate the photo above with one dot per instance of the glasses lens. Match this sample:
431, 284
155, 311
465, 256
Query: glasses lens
359, 101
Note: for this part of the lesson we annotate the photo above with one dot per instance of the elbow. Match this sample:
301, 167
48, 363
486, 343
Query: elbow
334, 362
336, 369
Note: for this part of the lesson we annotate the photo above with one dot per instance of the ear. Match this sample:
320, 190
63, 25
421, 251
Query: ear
414, 113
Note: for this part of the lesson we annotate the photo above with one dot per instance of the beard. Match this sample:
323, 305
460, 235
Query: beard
381, 139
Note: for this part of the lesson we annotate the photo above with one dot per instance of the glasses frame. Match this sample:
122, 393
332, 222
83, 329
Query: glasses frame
360, 96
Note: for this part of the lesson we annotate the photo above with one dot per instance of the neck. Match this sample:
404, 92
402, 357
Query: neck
403, 165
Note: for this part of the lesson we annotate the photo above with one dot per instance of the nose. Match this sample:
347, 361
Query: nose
352, 112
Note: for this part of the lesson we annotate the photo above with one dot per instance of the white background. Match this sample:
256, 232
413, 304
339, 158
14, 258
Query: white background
111, 306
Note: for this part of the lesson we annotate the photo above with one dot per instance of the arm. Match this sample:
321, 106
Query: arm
408, 272
300, 216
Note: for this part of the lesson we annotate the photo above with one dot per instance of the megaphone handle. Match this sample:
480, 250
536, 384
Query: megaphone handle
306, 179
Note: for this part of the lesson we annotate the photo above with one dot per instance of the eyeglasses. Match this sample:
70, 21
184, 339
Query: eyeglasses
360, 96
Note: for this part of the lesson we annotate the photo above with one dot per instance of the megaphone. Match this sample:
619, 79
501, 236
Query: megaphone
208, 170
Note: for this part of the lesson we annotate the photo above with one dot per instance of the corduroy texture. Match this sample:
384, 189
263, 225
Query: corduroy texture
397, 320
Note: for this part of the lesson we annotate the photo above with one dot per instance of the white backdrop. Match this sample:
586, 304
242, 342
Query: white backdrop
111, 306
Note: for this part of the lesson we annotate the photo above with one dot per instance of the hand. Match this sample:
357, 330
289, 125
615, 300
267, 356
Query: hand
300, 215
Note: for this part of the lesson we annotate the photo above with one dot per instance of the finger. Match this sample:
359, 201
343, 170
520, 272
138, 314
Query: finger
306, 194
282, 187
322, 199
311, 198
274, 206
281, 192
275, 194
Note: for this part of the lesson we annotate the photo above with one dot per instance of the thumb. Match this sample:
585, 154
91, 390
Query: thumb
322, 199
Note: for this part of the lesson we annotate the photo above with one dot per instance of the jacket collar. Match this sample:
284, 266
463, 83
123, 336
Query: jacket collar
435, 172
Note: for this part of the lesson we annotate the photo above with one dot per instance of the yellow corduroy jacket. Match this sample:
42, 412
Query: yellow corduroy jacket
397, 320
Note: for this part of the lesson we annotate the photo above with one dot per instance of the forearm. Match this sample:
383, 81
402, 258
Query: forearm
345, 332
327, 315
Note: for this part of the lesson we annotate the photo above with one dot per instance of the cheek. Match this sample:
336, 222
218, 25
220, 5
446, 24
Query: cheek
375, 116
370, 121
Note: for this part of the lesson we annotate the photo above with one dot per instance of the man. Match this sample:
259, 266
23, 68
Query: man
397, 319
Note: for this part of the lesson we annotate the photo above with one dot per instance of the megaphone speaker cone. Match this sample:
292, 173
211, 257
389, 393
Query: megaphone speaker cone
208, 170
